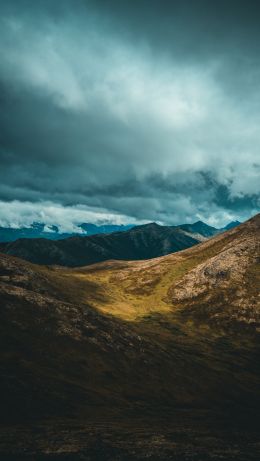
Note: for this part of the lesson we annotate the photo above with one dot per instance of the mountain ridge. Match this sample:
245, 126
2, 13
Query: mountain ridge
52, 232
140, 242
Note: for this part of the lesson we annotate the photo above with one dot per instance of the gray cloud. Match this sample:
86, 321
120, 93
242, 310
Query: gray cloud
144, 110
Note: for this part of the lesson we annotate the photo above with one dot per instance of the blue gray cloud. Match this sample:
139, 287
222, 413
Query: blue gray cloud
144, 110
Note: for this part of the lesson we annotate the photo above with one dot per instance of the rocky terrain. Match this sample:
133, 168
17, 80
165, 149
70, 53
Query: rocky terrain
166, 350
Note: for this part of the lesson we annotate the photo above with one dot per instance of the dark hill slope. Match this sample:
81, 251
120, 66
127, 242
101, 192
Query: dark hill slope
142, 242
63, 358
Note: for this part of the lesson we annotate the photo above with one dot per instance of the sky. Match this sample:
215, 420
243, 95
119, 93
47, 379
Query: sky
129, 111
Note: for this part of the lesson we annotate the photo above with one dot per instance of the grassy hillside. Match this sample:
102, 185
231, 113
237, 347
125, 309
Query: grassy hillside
222, 273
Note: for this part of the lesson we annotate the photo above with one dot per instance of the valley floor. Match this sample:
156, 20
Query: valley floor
188, 436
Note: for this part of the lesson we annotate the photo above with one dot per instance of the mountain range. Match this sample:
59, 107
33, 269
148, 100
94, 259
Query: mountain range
131, 360
53, 232
140, 242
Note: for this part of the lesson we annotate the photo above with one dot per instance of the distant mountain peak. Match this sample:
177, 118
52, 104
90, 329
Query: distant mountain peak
147, 226
231, 225
202, 223
152, 224
199, 227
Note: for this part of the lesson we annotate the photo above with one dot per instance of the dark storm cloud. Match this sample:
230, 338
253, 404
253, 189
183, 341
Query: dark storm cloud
201, 26
138, 110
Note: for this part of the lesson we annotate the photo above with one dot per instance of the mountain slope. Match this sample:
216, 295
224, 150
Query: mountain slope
223, 271
145, 339
61, 357
214, 284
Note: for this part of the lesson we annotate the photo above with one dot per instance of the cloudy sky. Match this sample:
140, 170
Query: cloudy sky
129, 111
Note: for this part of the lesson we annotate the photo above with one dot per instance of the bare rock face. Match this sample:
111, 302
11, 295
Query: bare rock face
228, 278
216, 273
